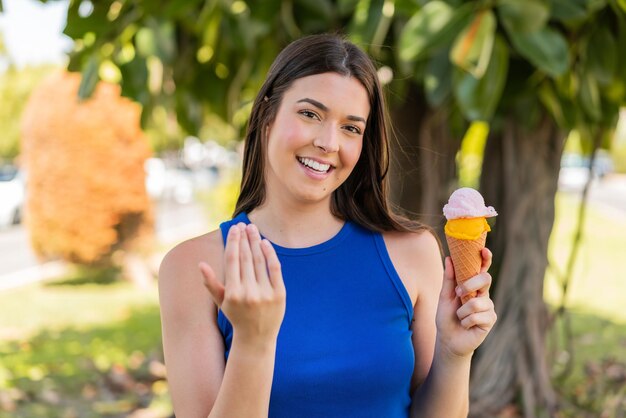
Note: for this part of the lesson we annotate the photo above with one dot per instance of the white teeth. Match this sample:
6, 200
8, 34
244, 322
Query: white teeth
322, 168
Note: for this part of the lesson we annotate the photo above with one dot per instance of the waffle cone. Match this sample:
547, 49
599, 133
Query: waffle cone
467, 259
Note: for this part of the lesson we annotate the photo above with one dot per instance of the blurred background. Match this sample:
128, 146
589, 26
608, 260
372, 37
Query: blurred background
120, 136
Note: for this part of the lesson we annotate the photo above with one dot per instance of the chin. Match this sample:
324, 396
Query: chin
313, 197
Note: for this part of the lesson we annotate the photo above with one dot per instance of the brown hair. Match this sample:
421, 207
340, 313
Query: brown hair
362, 198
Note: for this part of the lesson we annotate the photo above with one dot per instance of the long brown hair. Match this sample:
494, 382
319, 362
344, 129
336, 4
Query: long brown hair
362, 198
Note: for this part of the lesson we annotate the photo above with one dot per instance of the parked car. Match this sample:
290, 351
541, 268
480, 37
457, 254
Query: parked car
11, 195
574, 171
165, 182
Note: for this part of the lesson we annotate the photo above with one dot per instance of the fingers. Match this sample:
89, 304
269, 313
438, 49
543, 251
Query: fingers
259, 263
449, 282
246, 262
478, 312
487, 257
273, 266
250, 259
482, 320
476, 286
232, 274
216, 289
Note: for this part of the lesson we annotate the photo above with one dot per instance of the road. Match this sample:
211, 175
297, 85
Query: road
174, 223
609, 195
15, 251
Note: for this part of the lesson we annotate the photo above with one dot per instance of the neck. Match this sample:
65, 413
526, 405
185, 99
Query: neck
296, 226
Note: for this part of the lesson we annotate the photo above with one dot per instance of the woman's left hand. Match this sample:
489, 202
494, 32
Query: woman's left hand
462, 328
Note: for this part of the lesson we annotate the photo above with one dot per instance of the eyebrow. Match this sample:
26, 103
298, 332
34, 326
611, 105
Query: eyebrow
323, 107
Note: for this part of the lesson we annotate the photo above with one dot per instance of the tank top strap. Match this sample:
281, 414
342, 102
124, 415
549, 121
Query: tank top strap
225, 226
393, 275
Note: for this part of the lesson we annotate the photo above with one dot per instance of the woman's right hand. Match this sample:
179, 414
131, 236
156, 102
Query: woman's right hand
253, 294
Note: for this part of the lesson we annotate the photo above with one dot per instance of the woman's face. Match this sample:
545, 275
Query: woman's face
316, 138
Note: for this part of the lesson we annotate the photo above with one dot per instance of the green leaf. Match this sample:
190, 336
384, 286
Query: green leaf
157, 38
523, 16
595, 5
210, 31
616, 90
135, 79
546, 49
188, 112
178, 8
405, 8
77, 27
165, 41
472, 48
479, 98
365, 18
438, 79
90, 77
346, 7
432, 26
601, 55
251, 31
316, 8
620, 3
589, 96
561, 110
569, 11
420, 30
145, 41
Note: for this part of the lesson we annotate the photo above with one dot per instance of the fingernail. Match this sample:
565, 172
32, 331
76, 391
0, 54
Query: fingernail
458, 291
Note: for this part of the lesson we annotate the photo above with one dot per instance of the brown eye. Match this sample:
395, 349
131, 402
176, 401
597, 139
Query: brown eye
353, 129
309, 114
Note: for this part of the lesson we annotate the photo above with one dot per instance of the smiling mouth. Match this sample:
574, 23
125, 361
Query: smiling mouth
314, 165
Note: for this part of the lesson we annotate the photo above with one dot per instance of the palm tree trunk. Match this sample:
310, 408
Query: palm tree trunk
423, 170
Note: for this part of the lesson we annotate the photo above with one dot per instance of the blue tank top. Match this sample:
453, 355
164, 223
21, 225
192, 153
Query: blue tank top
344, 348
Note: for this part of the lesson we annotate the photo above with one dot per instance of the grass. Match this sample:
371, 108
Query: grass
597, 285
594, 382
81, 348
80, 301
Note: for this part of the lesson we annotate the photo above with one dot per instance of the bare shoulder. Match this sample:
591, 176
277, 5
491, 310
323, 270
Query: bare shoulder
186, 255
180, 279
423, 241
416, 257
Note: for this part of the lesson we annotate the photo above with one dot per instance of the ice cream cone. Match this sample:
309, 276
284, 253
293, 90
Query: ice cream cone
467, 259
466, 232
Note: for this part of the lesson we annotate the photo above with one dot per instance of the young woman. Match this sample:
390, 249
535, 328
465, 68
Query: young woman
321, 302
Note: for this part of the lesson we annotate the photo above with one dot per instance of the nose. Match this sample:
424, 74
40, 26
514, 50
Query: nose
327, 140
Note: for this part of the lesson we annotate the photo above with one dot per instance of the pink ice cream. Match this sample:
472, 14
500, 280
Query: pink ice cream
467, 203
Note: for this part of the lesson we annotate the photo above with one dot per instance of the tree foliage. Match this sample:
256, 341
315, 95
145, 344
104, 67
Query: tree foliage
84, 163
210, 56
556, 55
